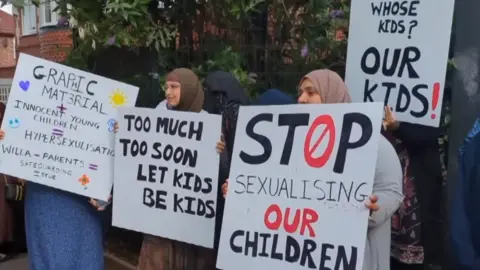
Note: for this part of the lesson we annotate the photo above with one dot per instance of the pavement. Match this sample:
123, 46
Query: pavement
21, 263
18, 263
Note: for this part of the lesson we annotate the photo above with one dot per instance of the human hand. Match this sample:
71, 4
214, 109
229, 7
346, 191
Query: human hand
2, 134
390, 121
99, 207
225, 189
372, 204
221, 145
115, 127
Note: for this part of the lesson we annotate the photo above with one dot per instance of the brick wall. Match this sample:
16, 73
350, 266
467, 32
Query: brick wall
7, 51
7, 72
56, 44
52, 43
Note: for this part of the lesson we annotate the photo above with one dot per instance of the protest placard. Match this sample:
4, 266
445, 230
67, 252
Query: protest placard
59, 127
297, 185
166, 174
398, 54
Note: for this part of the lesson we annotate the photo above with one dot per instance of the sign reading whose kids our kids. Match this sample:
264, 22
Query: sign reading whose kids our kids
398, 54
297, 184
166, 168
59, 127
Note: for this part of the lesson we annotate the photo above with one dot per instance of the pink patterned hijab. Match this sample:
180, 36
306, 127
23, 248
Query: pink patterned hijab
329, 85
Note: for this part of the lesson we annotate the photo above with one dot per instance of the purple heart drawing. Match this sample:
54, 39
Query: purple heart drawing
24, 85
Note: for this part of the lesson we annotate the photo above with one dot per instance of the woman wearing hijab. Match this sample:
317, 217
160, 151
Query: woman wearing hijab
12, 229
6, 213
63, 230
407, 249
274, 97
422, 144
325, 86
184, 92
224, 95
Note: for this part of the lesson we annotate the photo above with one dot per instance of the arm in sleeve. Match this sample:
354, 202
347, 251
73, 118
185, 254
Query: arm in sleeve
224, 168
387, 184
460, 231
413, 134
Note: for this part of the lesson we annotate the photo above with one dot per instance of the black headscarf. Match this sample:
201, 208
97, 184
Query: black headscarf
220, 89
224, 95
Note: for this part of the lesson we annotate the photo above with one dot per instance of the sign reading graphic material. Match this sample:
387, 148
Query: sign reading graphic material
398, 53
166, 171
57, 127
298, 182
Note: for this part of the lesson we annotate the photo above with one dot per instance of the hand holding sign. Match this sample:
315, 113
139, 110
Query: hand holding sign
221, 145
372, 204
390, 122
2, 134
225, 189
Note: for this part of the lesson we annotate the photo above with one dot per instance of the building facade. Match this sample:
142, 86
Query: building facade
41, 34
37, 31
8, 57
7, 45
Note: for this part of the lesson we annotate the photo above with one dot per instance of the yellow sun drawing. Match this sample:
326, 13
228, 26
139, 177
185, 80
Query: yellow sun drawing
118, 98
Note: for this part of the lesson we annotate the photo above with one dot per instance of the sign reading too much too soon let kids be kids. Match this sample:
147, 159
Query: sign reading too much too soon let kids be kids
59, 127
398, 54
298, 182
166, 171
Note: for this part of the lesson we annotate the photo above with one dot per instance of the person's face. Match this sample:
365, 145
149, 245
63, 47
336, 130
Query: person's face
172, 93
307, 94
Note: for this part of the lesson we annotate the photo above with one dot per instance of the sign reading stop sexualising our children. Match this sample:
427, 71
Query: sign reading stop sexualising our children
59, 127
299, 177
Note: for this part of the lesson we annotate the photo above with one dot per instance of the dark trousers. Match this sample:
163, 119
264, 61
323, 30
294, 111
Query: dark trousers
428, 183
19, 244
20, 236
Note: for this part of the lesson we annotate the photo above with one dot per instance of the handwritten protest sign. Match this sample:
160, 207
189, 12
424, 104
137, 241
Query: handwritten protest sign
398, 53
298, 181
166, 174
59, 127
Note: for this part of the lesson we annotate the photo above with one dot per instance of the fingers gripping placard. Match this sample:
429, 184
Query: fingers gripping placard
298, 182
398, 53
168, 166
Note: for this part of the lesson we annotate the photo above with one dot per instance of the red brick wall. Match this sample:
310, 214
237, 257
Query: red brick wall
29, 45
52, 45
7, 51
7, 72
56, 44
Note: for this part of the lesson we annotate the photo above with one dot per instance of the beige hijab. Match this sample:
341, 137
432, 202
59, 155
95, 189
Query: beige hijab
191, 96
329, 85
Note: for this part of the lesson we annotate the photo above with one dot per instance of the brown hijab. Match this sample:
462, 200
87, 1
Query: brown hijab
191, 96
329, 85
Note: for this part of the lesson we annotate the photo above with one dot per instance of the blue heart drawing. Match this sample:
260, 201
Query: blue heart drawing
24, 85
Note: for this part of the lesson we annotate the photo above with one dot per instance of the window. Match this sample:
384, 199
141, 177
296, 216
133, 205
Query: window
29, 18
48, 17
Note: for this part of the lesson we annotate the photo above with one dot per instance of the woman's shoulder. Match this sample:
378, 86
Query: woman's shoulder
387, 158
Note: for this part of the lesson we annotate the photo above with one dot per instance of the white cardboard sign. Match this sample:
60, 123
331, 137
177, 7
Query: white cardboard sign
298, 181
59, 127
398, 53
166, 174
